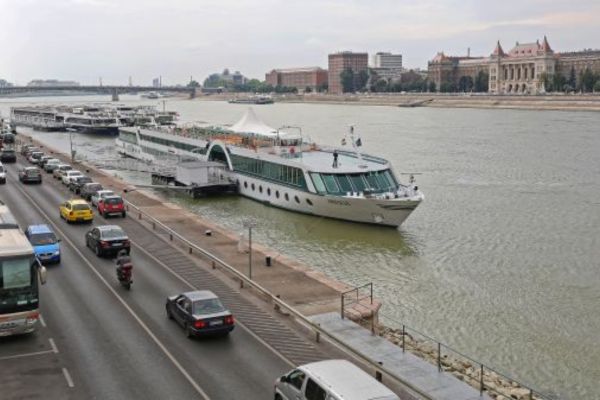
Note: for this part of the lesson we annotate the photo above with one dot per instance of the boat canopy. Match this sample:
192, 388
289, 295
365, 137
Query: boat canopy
250, 124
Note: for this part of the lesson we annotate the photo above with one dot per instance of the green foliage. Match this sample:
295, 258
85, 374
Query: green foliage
361, 80
597, 86
588, 80
447, 87
572, 82
308, 89
347, 80
323, 87
380, 85
558, 82
431, 87
193, 84
214, 81
465, 84
482, 81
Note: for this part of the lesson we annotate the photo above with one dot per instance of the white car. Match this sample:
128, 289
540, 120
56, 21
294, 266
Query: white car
70, 175
100, 194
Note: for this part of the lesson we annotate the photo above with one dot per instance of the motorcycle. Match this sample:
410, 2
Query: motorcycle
124, 274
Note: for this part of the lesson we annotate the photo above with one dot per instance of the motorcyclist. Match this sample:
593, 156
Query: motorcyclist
122, 260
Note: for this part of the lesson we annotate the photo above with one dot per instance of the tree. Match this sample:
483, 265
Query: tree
432, 87
193, 84
214, 81
572, 82
361, 80
347, 80
447, 87
597, 86
558, 82
465, 84
547, 82
482, 81
587, 80
380, 85
307, 89
323, 87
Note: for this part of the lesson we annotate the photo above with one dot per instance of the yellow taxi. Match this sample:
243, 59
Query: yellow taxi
76, 210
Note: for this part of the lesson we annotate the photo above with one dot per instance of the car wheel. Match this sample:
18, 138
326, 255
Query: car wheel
97, 251
57, 260
87, 243
124, 214
188, 332
169, 314
278, 397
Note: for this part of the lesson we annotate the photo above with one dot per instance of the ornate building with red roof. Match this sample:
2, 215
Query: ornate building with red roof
522, 70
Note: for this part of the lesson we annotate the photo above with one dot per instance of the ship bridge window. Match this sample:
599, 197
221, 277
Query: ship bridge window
319, 185
330, 183
375, 181
358, 182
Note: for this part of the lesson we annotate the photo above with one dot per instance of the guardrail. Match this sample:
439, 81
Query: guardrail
280, 304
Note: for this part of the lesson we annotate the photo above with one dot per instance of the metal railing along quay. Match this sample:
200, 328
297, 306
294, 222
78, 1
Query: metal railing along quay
478, 374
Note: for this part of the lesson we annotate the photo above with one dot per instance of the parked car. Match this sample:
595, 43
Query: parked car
60, 170
200, 313
76, 183
90, 189
2, 174
34, 157
51, 165
25, 148
8, 138
30, 150
111, 205
331, 380
42, 161
99, 195
68, 176
8, 156
76, 210
44, 242
30, 174
107, 239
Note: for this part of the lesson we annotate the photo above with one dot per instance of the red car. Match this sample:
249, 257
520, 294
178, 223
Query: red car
111, 205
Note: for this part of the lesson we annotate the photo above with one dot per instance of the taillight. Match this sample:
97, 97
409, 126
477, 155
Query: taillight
104, 243
32, 318
228, 320
199, 324
126, 242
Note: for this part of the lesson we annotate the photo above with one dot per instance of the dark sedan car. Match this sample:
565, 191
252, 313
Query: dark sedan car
76, 184
8, 156
200, 313
89, 189
107, 239
30, 174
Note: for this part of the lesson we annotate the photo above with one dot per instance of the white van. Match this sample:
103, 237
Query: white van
330, 380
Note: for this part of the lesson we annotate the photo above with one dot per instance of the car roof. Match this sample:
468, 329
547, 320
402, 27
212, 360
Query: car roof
92, 183
200, 295
30, 168
112, 196
40, 228
347, 380
74, 171
108, 227
77, 201
103, 191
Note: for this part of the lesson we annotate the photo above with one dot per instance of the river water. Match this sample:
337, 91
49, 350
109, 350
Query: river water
501, 261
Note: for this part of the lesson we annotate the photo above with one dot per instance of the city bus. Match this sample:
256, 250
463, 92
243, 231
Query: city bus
20, 275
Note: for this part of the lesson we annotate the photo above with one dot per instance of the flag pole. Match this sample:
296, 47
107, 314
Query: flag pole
361, 164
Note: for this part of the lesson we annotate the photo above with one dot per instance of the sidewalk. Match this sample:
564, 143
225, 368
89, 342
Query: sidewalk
411, 369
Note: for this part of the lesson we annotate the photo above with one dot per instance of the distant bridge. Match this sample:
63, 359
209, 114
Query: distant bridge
114, 91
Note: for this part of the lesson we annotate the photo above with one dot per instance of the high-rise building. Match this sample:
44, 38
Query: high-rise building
387, 60
338, 62
300, 78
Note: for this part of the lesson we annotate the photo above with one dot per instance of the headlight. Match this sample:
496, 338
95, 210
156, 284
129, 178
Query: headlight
57, 252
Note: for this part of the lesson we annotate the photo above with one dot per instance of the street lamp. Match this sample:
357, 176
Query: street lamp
249, 224
71, 144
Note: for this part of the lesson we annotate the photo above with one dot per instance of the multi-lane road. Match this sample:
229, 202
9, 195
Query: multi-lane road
99, 341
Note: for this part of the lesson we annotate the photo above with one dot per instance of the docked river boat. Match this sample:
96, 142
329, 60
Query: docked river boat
280, 168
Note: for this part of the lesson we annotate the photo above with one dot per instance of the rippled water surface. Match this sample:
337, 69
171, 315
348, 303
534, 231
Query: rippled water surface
502, 259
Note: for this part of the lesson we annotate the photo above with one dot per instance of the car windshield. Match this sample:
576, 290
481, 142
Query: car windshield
8, 151
106, 194
208, 306
40, 239
93, 188
81, 207
66, 167
32, 172
113, 201
112, 233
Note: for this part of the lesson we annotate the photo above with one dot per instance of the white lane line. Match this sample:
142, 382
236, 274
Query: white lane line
53, 345
68, 377
176, 275
42, 321
37, 353
162, 347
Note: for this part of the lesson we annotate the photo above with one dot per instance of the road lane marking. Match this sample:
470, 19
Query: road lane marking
42, 321
68, 378
242, 325
53, 345
37, 353
137, 318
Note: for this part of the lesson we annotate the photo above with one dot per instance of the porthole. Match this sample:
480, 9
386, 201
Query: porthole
253, 187
287, 198
245, 184
277, 193
297, 199
260, 189
269, 191
309, 202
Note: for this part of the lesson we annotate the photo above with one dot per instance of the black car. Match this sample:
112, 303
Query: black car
89, 189
107, 239
30, 174
8, 156
200, 313
8, 138
76, 184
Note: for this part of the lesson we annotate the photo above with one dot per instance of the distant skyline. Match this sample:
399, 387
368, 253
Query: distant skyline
86, 39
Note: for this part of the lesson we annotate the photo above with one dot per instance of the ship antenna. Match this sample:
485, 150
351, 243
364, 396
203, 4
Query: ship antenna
353, 140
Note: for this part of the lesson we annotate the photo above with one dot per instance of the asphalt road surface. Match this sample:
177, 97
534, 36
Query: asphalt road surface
99, 341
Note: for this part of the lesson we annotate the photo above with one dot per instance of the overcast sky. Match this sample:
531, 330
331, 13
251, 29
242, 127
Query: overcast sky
115, 39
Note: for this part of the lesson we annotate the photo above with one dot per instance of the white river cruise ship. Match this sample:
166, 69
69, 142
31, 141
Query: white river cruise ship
277, 167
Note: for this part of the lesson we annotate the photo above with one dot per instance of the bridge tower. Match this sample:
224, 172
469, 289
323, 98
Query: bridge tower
115, 94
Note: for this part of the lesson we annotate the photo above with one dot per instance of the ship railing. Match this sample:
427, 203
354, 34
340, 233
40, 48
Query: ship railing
279, 304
